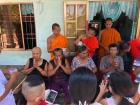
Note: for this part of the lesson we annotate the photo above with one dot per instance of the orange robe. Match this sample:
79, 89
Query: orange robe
59, 41
108, 36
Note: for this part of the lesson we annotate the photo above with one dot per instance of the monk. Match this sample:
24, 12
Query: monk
56, 40
89, 40
108, 36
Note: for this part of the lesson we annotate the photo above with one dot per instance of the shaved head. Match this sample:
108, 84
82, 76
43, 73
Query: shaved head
36, 53
38, 49
108, 23
33, 87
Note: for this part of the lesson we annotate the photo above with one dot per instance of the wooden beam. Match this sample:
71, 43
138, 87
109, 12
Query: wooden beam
138, 26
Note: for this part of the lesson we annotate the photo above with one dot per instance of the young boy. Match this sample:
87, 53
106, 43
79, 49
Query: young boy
33, 89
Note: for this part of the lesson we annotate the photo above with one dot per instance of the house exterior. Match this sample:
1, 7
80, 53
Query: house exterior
46, 12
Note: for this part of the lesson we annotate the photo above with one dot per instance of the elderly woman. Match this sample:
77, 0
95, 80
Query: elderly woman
83, 60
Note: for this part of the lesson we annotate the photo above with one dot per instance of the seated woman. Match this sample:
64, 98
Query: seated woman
121, 87
82, 87
82, 59
58, 71
6, 95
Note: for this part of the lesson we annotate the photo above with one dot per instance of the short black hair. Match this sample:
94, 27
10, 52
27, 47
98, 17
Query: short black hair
124, 45
113, 45
121, 83
81, 48
58, 50
108, 19
34, 80
82, 85
93, 29
55, 25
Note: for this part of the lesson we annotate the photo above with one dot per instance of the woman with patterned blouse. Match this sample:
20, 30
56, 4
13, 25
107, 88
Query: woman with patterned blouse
83, 60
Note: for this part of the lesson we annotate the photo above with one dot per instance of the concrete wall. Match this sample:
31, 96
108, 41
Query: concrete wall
46, 12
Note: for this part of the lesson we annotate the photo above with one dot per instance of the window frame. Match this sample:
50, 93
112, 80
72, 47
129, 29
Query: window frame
74, 2
21, 24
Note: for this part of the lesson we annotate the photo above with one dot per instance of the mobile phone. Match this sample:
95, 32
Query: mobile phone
106, 79
50, 96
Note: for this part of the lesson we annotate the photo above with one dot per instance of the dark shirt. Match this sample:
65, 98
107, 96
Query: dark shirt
35, 71
60, 75
127, 59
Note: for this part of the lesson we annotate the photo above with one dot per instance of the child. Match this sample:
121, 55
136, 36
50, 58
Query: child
33, 89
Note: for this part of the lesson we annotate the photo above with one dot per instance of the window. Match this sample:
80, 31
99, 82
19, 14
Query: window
75, 15
17, 26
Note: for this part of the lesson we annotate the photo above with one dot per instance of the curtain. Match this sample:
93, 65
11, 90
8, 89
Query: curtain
94, 7
133, 16
26, 9
114, 9
111, 9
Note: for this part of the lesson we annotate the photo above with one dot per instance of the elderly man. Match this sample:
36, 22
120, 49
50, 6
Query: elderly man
36, 65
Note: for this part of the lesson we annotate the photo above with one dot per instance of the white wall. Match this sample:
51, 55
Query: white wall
46, 12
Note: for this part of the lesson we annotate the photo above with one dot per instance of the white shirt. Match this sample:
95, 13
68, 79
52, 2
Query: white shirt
9, 99
111, 101
96, 103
